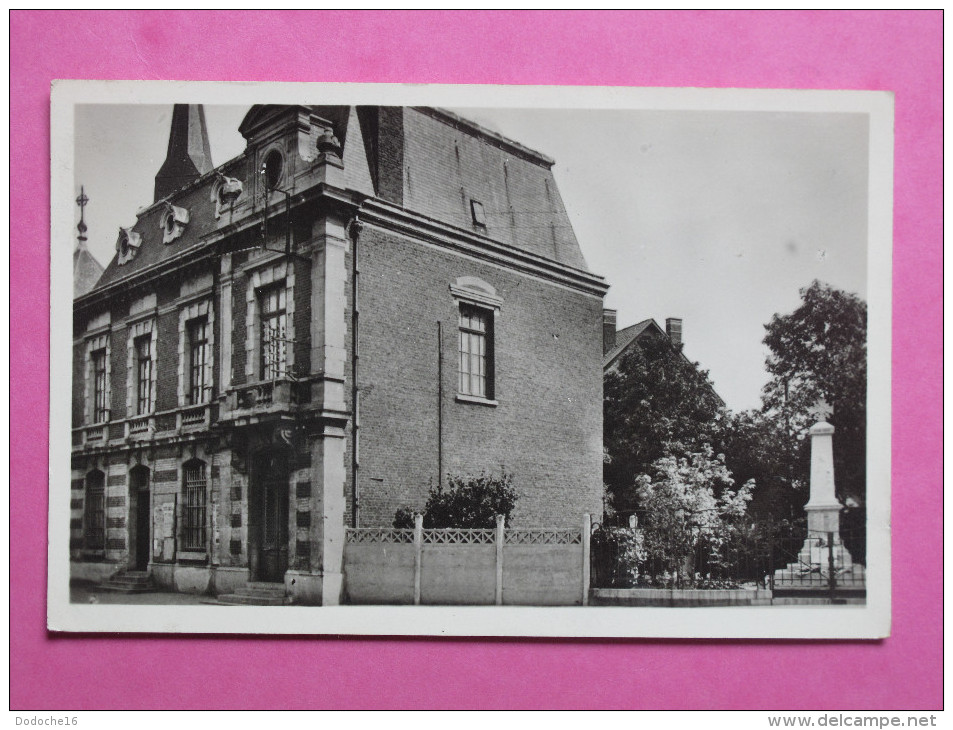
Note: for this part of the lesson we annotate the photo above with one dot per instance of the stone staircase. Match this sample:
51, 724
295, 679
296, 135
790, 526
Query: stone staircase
129, 581
256, 594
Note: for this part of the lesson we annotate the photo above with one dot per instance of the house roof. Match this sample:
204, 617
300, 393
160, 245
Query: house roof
513, 183
625, 337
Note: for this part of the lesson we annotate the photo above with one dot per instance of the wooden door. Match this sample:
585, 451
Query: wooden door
272, 518
143, 520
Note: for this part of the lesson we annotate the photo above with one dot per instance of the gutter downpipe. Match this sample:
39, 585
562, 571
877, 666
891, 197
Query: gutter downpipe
354, 229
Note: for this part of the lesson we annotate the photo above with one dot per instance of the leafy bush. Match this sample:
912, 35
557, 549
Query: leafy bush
691, 512
618, 555
466, 502
404, 518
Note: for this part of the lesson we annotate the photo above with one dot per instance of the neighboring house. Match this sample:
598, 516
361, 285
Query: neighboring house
616, 342
646, 403
310, 335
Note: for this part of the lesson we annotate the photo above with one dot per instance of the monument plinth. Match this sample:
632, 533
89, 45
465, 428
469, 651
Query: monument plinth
823, 509
823, 563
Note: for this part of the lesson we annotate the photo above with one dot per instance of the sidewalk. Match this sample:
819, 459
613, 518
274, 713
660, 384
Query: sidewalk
89, 593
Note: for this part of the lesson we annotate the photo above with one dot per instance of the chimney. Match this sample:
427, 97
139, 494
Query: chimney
608, 330
673, 328
189, 155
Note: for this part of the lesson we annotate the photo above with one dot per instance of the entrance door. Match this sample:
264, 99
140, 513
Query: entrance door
142, 529
142, 513
273, 515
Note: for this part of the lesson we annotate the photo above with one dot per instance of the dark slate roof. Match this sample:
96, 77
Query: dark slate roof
197, 199
515, 185
625, 337
449, 161
86, 270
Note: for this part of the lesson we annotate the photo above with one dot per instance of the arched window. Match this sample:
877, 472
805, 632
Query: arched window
94, 518
193, 506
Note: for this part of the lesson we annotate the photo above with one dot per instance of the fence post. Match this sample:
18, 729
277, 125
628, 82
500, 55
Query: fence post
500, 526
831, 579
586, 534
418, 547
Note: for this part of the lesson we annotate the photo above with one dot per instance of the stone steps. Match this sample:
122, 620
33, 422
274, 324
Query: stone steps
256, 594
809, 576
130, 581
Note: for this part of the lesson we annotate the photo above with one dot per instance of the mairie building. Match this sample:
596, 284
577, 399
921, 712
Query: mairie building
311, 335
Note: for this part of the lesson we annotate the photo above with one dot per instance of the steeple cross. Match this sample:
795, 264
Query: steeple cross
81, 202
821, 410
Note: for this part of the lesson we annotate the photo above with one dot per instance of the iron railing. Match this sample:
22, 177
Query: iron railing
766, 554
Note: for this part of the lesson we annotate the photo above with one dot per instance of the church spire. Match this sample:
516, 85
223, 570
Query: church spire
189, 154
86, 269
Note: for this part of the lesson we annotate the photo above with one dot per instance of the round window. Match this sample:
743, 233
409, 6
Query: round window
124, 246
170, 223
271, 169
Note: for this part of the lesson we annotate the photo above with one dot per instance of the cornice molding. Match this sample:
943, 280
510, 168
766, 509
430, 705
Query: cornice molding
390, 217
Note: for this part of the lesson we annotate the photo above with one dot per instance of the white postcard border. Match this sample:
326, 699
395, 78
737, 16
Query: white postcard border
776, 622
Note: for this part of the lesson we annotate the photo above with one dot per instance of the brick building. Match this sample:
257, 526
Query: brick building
310, 335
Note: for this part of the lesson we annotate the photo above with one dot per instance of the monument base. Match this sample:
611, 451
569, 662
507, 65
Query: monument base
823, 565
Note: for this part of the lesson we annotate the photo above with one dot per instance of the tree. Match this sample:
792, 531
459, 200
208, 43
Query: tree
820, 351
467, 502
690, 509
758, 447
656, 403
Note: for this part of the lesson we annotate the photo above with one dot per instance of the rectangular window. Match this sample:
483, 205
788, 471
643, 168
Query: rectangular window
193, 508
143, 350
272, 304
198, 360
476, 352
95, 511
100, 394
479, 215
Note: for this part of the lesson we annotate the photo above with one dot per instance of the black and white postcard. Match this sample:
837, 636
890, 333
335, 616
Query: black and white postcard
470, 361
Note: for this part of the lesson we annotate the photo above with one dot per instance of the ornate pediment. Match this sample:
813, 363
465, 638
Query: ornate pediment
476, 291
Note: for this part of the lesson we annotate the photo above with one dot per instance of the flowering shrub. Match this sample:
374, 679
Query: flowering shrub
691, 511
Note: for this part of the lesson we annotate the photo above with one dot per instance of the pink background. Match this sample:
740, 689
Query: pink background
896, 51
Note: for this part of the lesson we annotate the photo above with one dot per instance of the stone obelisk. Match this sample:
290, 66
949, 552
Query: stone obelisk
823, 549
823, 509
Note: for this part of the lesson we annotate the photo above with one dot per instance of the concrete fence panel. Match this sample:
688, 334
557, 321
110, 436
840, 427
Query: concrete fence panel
542, 575
379, 566
537, 567
458, 574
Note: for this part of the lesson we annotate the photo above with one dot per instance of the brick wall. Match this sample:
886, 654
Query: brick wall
167, 359
302, 316
239, 313
389, 165
547, 428
118, 354
79, 384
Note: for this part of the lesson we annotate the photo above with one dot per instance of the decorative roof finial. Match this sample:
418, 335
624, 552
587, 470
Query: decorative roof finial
81, 202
